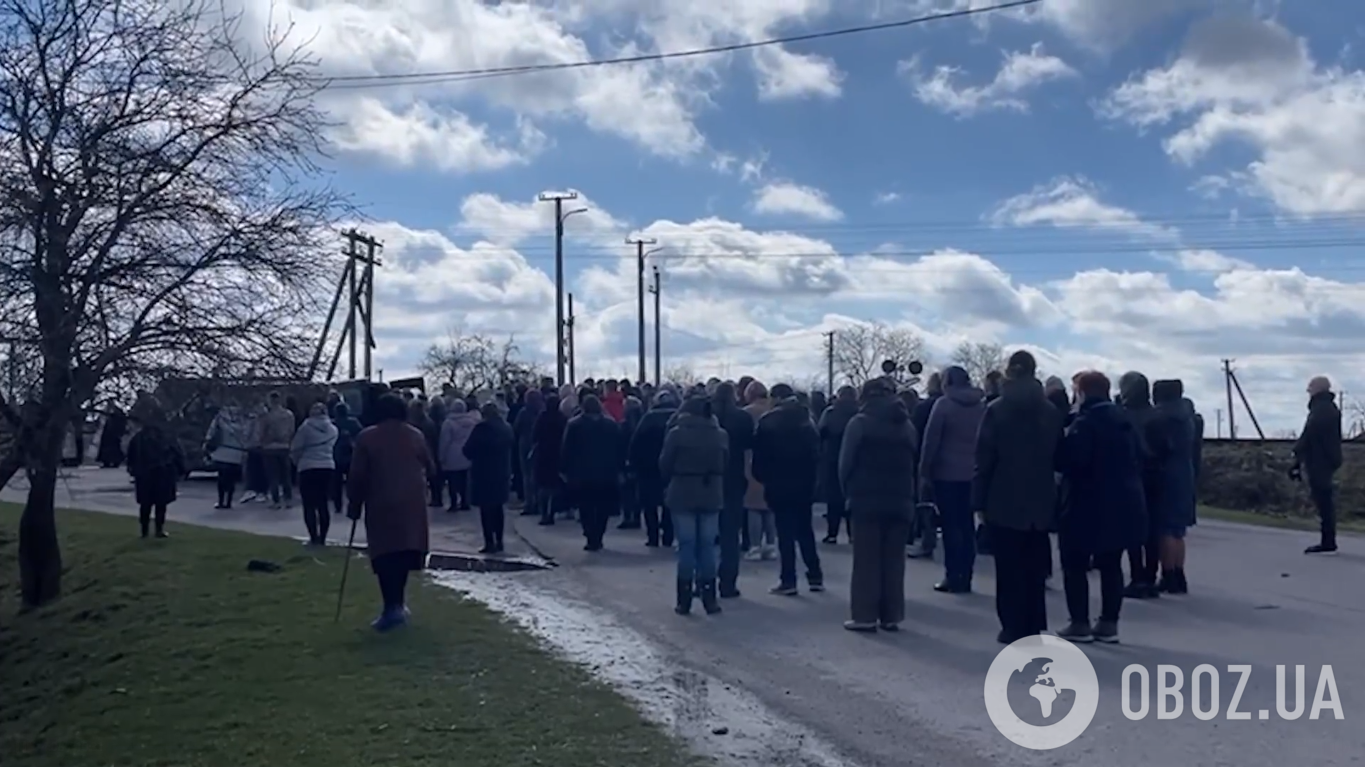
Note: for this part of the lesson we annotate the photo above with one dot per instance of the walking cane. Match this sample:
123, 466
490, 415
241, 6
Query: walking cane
345, 567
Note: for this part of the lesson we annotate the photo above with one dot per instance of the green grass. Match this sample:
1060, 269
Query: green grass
171, 653
1307, 524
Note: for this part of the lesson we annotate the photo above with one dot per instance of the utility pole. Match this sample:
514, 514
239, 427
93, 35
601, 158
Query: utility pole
658, 336
357, 282
829, 360
568, 329
640, 254
1227, 383
558, 199
1218, 430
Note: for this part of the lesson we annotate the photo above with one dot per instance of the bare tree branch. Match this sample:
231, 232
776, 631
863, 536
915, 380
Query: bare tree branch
860, 350
979, 359
162, 209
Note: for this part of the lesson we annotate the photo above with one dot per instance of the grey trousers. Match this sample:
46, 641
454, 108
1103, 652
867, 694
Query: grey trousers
877, 588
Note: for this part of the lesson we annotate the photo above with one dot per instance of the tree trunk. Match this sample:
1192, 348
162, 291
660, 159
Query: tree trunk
10, 465
40, 555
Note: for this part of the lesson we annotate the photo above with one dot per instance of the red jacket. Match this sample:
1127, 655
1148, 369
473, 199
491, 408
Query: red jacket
614, 405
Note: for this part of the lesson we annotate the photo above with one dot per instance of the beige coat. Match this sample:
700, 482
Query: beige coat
753, 497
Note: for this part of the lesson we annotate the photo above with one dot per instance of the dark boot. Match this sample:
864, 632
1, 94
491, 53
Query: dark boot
684, 606
708, 598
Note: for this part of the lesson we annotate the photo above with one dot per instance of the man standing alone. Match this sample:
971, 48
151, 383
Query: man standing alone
1317, 457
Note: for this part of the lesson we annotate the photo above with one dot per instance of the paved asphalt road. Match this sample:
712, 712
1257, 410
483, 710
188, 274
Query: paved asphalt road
915, 698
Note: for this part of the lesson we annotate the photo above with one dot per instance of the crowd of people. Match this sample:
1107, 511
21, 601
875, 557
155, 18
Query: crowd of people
727, 471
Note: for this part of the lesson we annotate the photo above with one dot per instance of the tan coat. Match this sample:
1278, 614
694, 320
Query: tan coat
753, 497
388, 483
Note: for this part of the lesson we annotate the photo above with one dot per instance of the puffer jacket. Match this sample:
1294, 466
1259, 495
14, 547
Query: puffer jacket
454, 434
228, 436
877, 460
694, 459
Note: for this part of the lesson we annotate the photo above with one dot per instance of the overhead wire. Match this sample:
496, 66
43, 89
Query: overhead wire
463, 75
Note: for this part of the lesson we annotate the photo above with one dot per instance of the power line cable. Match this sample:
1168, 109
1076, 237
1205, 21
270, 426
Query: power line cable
460, 75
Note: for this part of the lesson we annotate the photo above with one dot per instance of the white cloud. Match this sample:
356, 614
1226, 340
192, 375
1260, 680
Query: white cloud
1074, 202
652, 105
1246, 82
509, 223
1021, 72
1099, 25
421, 135
886, 198
787, 75
784, 197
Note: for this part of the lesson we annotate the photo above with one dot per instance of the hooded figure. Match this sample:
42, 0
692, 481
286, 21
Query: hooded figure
459, 424
739, 429
1104, 514
831, 427
1136, 397
156, 465
523, 431
877, 473
786, 459
489, 450
946, 467
643, 453
762, 529
693, 464
314, 453
388, 487
592, 463
1015, 490
548, 438
1171, 438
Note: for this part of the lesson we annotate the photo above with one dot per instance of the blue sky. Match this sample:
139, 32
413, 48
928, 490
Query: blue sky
1113, 184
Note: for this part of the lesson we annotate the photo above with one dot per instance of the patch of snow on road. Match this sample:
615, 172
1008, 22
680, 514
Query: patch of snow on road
716, 719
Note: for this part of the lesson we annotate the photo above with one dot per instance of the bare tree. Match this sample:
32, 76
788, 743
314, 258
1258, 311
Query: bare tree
979, 359
472, 362
681, 374
859, 350
158, 211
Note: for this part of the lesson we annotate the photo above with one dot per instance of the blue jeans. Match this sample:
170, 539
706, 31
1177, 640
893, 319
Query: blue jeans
696, 531
954, 501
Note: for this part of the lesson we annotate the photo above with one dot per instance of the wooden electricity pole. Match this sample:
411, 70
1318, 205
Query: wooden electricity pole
658, 336
640, 254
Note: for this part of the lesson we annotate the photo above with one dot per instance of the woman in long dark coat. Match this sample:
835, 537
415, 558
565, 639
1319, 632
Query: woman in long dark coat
156, 465
1104, 513
548, 440
390, 464
111, 438
489, 450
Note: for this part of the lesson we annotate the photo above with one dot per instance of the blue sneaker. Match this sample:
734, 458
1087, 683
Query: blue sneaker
389, 620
